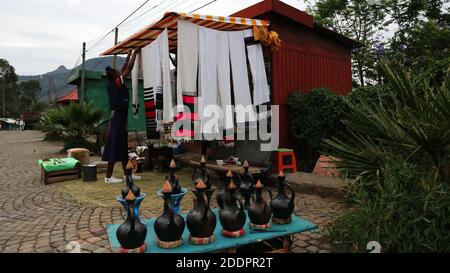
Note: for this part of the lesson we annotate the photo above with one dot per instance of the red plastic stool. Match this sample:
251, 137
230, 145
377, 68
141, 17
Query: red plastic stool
281, 155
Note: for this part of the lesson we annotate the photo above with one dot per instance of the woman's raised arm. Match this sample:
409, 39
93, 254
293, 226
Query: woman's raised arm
129, 62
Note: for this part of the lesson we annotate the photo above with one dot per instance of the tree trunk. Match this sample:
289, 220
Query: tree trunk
3, 100
361, 73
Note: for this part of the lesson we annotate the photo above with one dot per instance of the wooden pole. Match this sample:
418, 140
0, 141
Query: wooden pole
83, 72
3, 100
116, 41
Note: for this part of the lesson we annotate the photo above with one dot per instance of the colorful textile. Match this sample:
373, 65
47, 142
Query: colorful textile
265, 226
267, 38
140, 249
187, 60
58, 164
169, 21
202, 241
157, 86
149, 62
233, 234
189, 117
168, 245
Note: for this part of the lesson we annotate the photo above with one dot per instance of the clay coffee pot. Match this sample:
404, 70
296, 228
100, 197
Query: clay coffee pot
259, 211
223, 187
131, 233
130, 185
173, 178
178, 192
201, 220
282, 206
231, 213
169, 226
246, 185
202, 174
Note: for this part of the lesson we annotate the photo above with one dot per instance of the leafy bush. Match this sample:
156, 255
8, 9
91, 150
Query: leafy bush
399, 153
313, 117
372, 94
406, 211
74, 124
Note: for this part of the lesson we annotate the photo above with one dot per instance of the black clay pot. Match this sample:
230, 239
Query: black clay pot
201, 220
282, 206
202, 174
131, 233
231, 214
223, 188
130, 186
173, 179
169, 226
246, 185
259, 211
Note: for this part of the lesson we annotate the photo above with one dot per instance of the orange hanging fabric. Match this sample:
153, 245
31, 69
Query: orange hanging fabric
267, 38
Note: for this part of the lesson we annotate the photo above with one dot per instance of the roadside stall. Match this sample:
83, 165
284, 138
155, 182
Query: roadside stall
221, 80
219, 63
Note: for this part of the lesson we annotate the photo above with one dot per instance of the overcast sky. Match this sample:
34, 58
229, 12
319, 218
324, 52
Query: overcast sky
36, 36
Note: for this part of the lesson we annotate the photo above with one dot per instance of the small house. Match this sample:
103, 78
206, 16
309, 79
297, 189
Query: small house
95, 83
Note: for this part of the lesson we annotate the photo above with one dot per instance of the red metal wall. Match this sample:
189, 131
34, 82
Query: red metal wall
307, 59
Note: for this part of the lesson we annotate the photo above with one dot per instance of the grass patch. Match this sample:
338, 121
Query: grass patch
100, 194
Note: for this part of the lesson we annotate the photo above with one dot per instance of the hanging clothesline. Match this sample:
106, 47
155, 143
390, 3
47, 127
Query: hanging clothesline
169, 22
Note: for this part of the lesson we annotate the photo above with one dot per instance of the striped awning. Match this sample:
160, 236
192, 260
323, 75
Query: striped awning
169, 21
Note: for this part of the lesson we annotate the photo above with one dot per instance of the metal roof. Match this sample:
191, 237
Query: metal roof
169, 21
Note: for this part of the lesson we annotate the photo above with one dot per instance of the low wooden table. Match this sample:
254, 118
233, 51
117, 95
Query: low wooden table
193, 160
257, 240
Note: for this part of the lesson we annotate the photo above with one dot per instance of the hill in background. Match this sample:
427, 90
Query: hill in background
56, 80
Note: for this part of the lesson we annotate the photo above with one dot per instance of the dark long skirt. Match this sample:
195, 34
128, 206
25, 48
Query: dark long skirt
116, 146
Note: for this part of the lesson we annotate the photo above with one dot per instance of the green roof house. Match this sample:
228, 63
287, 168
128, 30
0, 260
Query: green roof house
95, 83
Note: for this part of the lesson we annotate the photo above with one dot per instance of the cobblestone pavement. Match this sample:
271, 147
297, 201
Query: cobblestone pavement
35, 218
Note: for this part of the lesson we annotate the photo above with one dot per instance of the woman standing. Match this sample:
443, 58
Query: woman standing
116, 147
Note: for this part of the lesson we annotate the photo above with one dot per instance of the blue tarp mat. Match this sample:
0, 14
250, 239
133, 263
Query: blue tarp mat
296, 226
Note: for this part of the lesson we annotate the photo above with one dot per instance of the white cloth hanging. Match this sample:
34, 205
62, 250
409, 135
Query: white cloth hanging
261, 90
157, 84
241, 89
207, 77
163, 41
224, 82
137, 68
187, 60
150, 61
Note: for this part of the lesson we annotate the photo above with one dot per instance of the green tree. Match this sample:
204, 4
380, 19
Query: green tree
27, 92
361, 20
422, 38
410, 13
8, 78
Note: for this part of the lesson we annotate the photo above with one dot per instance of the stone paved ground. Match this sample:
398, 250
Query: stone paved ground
36, 218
